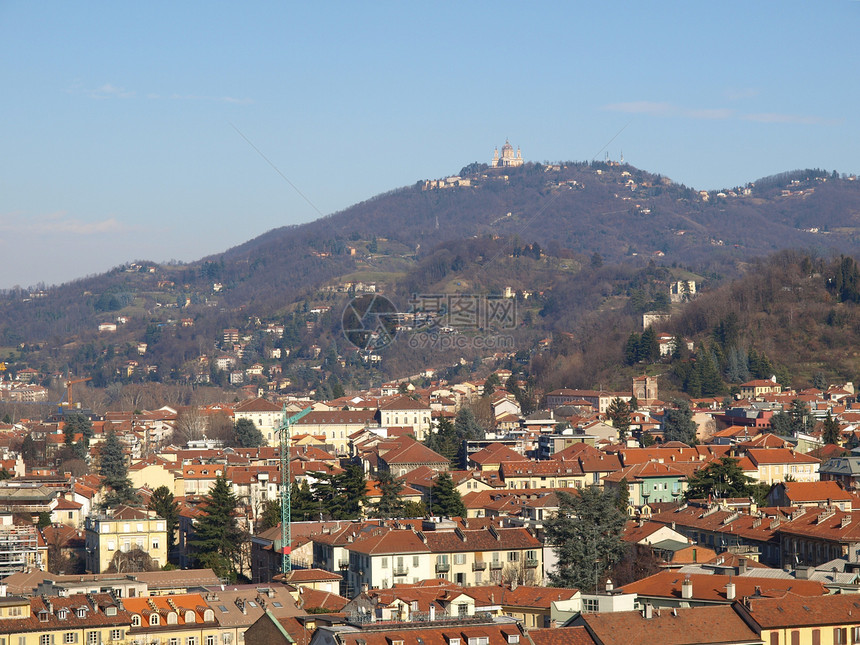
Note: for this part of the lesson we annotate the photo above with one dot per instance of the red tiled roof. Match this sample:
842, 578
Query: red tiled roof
521, 596
561, 636
712, 588
686, 626
793, 610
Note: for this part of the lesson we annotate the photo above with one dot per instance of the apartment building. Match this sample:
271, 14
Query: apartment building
121, 531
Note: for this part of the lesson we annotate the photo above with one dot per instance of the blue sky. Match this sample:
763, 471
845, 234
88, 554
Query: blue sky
125, 126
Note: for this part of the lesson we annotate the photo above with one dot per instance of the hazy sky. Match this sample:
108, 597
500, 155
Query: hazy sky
126, 126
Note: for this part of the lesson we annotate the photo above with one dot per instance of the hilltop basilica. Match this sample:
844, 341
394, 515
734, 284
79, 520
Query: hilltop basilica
508, 159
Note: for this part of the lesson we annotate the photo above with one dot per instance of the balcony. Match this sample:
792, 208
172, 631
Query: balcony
401, 571
495, 564
443, 567
531, 563
479, 566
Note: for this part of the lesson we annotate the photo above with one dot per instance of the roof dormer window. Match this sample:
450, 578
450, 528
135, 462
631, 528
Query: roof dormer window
63, 614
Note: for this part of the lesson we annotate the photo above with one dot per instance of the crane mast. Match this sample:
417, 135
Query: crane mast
286, 493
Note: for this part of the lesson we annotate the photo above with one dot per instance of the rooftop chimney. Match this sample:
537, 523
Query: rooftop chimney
730, 590
649, 611
687, 588
609, 585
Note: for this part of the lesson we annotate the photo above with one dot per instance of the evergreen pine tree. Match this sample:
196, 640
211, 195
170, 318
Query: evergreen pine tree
303, 505
619, 413
165, 506
831, 430
248, 435
115, 472
678, 424
390, 505
271, 515
586, 537
446, 501
649, 350
217, 537
631, 349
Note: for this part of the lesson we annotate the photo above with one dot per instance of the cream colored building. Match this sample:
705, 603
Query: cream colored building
508, 159
123, 530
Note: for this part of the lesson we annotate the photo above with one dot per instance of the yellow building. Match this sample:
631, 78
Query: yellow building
85, 619
122, 531
798, 620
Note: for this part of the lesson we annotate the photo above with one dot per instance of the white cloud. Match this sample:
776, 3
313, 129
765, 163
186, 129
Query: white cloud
795, 119
110, 91
653, 108
642, 107
57, 223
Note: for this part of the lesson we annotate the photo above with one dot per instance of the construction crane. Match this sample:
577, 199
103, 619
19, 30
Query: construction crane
286, 533
69, 388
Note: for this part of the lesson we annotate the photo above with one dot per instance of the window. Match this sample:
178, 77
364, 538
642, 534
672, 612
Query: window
116, 634
135, 621
154, 543
174, 641
414, 560
840, 636
459, 558
45, 639
513, 556
63, 614
384, 563
154, 619
191, 640
462, 609
590, 605
111, 545
70, 637
210, 640
92, 638
855, 635
816, 637
82, 612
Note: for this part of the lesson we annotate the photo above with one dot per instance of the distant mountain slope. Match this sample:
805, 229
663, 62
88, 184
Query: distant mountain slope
532, 228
